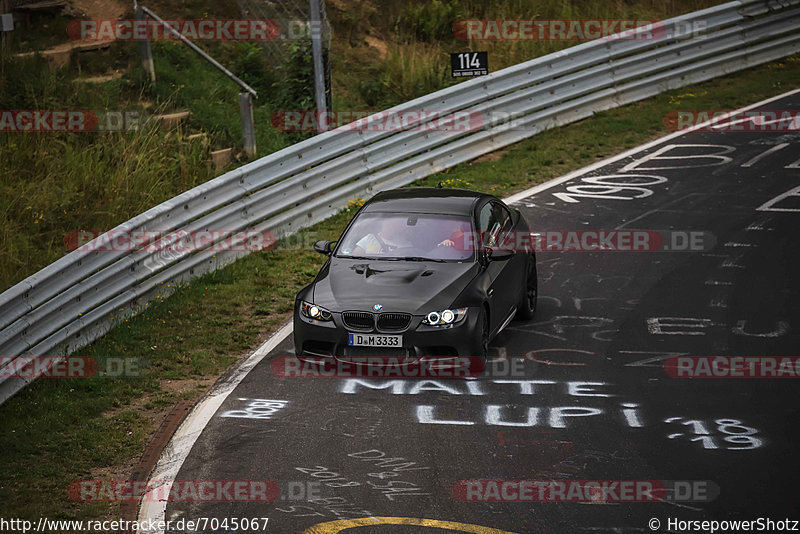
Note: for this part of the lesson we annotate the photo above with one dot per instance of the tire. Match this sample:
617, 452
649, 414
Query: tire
527, 304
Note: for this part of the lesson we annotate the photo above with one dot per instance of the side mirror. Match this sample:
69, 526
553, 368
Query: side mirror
498, 254
324, 247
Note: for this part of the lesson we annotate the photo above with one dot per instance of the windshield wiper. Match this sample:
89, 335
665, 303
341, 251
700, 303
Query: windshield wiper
416, 258
389, 258
349, 257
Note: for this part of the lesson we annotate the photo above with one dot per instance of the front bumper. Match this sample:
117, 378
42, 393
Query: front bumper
317, 341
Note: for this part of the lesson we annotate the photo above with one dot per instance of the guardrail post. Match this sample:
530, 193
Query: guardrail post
248, 127
144, 48
6, 24
319, 69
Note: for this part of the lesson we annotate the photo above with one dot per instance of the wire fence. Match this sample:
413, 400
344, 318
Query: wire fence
294, 20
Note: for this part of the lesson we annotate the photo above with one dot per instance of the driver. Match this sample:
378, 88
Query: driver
390, 235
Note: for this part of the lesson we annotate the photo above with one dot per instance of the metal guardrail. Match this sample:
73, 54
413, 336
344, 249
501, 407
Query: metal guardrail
81, 296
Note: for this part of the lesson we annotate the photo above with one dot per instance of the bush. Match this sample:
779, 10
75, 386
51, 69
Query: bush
432, 21
295, 88
372, 91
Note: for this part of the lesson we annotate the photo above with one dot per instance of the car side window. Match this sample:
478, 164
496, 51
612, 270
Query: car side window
493, 219
502, 215
503, 222
485, 224
483, 218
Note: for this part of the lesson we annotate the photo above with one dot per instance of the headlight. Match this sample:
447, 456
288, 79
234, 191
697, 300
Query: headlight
312, 311
445, 317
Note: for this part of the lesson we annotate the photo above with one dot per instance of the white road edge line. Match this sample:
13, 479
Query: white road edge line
178, 448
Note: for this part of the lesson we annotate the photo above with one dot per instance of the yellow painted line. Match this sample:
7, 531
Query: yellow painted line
334, 527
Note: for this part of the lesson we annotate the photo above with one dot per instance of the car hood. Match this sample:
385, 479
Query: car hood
416, 287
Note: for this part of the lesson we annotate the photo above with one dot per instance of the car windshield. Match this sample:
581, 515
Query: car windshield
412, 237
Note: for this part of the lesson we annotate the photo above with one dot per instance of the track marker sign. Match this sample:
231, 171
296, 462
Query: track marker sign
469, 64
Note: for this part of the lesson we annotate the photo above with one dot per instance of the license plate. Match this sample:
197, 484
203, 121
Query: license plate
374, 340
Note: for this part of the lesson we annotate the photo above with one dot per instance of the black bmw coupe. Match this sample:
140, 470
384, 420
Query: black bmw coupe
421, 273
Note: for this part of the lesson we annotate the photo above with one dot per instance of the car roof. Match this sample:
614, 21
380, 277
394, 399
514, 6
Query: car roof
426, 200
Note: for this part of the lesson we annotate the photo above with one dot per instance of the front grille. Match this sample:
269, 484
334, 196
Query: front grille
358, 320
393, 322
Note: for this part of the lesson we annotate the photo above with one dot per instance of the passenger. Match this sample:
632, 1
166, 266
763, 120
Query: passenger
456, 232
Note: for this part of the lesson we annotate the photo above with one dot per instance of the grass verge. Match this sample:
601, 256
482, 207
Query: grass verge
59, 431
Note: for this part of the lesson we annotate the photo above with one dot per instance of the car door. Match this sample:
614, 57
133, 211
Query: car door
515, 272
494, 220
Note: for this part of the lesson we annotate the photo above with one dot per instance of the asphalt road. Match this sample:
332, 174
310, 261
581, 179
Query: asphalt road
342, 448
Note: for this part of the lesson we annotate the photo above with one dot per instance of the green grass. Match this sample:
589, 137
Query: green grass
53, 183
58, 431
